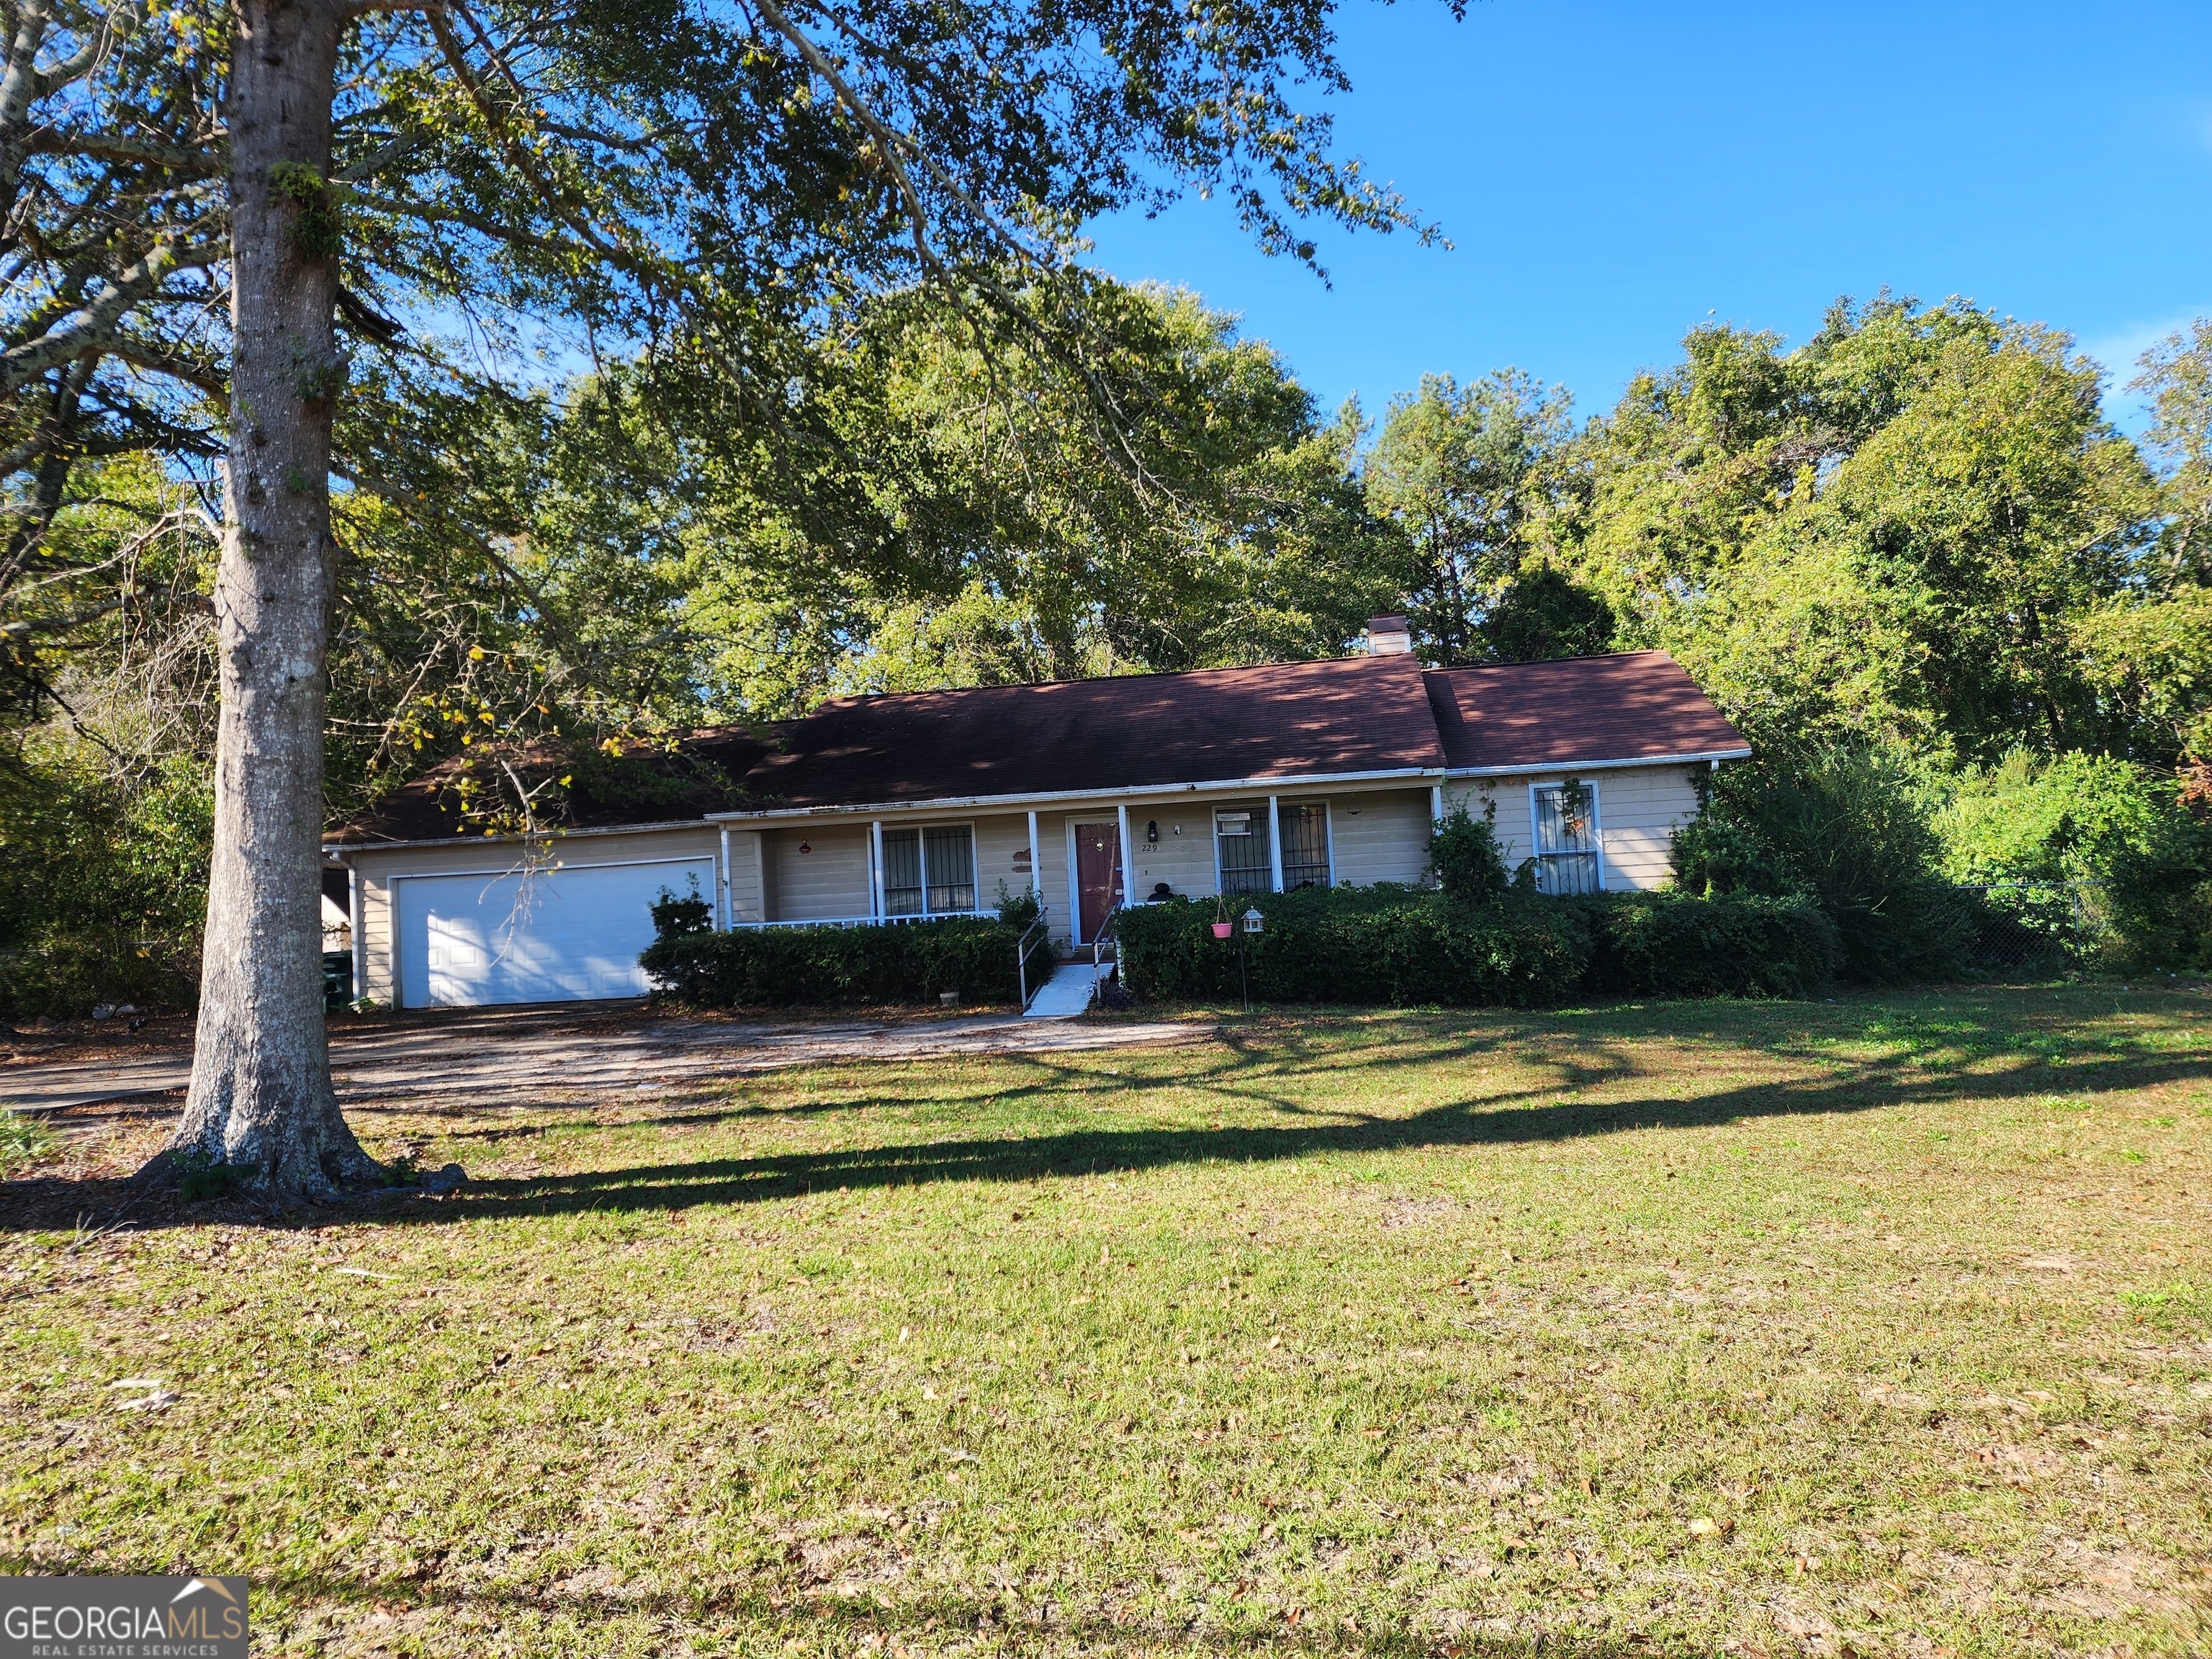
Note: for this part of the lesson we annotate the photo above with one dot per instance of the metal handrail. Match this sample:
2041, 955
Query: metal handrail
1037, 930
1098, 945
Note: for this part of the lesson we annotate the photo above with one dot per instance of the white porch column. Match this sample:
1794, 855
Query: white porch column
1435, 803
876, 867
723, 895
1036, 862
1127, 875
1275, 839
1074, 878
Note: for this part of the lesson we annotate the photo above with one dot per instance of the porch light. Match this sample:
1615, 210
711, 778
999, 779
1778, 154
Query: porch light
1254, 922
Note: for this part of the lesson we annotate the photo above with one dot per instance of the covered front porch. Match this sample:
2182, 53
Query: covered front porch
1083, 859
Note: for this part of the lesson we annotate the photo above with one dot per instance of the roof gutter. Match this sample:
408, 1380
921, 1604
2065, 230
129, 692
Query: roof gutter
939, 803
338, 849
1524, 769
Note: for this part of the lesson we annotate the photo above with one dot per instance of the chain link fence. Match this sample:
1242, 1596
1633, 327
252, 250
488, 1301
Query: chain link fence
2035, 926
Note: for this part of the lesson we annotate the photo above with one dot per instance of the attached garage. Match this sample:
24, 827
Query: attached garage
569, 933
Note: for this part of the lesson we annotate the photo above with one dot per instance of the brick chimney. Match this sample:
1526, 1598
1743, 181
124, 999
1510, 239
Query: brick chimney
1388, 636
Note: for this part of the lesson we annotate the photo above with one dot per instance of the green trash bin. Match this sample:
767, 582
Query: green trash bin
337, 979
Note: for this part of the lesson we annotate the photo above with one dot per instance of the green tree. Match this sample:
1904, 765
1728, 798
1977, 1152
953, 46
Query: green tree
236, 228
1221, 521
1903, 531
1543, 612
1463, 472
2151, 647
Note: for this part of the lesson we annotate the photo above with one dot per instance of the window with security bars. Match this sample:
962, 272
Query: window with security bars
948, 862
1566, 839
929, 873
1241, 839
1305, 845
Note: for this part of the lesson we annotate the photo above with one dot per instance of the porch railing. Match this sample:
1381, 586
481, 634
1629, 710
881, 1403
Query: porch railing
860, 922
1036, 937
1104, 948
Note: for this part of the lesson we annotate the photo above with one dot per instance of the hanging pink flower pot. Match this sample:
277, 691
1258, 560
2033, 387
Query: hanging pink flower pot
1223, 929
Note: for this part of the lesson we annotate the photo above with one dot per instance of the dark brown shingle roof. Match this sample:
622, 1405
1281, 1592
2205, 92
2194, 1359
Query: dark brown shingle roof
704, 774
1137, 730
1637, 705
1346, 716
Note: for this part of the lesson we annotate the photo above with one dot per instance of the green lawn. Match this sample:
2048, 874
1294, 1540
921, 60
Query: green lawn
1882, 1325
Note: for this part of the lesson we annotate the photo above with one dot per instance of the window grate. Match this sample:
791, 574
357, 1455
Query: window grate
949, 855
1241, 840
1241, 837
1566, 840
903, 892
1305, 845
929, 873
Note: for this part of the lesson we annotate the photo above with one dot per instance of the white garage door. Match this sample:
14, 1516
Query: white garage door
564, 935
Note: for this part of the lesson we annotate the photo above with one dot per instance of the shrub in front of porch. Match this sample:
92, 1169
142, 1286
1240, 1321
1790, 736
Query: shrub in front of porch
1404, 946
784, 967
1384, 944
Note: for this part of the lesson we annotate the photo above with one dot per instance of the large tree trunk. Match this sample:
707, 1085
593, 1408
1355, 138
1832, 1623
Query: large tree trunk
261, 1102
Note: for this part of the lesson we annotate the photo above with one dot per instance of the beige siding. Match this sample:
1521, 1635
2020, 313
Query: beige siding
1381, 836
376, 867
1639, 808
749, 893
1510, 797
1000, 839
1184, 855
827, 882
375, 954
1052, 872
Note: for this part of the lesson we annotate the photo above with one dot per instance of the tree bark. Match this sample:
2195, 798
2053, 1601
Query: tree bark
261, 1102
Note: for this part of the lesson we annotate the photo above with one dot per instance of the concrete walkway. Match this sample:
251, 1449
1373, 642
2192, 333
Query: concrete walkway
1067, 992
495, 1053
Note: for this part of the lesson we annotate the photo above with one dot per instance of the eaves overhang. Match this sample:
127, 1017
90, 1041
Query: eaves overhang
1268, 786
1524, 768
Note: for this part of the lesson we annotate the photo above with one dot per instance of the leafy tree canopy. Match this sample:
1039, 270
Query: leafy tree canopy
1911, 528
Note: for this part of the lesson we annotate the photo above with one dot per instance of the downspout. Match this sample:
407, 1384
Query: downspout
357, 916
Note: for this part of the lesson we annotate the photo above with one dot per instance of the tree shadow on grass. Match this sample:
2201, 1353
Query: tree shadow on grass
1239, 1075
1470, 1125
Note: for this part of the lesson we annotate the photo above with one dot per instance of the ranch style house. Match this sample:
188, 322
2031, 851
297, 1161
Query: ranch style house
1097, 793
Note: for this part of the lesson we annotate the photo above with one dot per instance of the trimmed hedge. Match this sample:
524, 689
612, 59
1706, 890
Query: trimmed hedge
1374, 944
1383, 945
1403, 945
778, 967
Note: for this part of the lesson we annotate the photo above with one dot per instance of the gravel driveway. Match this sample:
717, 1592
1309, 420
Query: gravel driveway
489, 1053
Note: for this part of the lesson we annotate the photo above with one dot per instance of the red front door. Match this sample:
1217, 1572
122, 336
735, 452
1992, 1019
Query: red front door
1097, 873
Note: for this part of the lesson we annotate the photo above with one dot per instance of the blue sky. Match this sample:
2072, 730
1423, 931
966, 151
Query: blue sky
1612, 172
